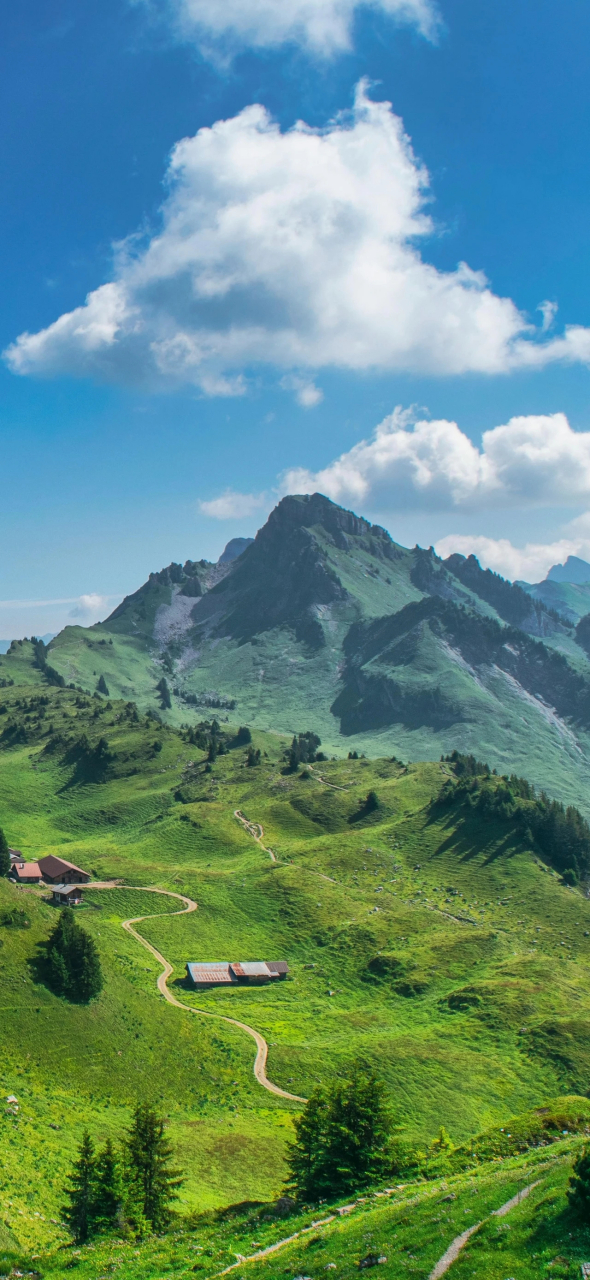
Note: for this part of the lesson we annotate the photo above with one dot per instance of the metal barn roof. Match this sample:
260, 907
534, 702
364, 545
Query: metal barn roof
251, 969
216, 972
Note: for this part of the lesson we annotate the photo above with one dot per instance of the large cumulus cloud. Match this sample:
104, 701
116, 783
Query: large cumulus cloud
537, 460
295, 251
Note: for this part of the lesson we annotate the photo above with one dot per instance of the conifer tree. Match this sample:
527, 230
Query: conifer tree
103, 687
152, 1182
79, 1212
73, 962
343, 1139
579, 1187
164, 692
4, 855
108, 1190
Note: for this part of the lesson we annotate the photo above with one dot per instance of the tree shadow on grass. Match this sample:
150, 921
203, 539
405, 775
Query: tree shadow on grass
466, 842
561, 1235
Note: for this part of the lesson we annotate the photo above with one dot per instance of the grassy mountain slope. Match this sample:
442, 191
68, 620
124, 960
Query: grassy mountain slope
279, 637
570, 599
429, 943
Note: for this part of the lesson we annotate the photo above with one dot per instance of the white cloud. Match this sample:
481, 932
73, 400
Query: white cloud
306, 392
90, 608
322, 26
531, 461
296, 251
234, 506
548, 311
20, 618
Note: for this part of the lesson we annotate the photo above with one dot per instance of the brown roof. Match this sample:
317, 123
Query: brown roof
66, 890
26, 871
278, 966
52, 866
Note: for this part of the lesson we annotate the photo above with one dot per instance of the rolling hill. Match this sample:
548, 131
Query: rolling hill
323, 622
429, 936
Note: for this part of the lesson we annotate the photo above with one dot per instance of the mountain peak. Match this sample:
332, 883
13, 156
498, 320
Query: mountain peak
574, 571
233, 549
309, 509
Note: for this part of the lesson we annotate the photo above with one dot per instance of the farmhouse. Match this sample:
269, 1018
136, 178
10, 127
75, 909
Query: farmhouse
225, 973
25, 872
57, 871
67, 895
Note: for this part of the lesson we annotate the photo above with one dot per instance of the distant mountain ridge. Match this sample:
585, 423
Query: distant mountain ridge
323, 622
565, 589
574, 570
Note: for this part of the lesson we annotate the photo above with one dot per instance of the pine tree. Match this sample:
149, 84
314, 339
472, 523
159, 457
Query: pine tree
79, 1212
343, 1139
4, 855
579, 1187
102, 687
152, 1182
108, 1190
72, 960
164, 692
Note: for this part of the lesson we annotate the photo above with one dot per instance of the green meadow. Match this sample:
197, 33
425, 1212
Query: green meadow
427, 944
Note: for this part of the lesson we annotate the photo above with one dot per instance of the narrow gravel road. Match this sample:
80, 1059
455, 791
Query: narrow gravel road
167, 970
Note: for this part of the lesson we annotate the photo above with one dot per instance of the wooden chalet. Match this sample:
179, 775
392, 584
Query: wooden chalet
58, 871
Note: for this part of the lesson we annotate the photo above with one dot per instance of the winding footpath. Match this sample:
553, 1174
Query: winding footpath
255, 830
443, 1264
167, 970
459, 1242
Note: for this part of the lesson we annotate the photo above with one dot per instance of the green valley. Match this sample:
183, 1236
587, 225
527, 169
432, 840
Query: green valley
429, 939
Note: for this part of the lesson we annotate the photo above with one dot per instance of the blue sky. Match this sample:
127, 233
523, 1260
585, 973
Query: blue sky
323, 265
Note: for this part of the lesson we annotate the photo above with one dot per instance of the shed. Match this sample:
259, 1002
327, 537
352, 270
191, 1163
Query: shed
25, 872
16, 855
253, 971
58, 871
278, 968
67, 895
215, 973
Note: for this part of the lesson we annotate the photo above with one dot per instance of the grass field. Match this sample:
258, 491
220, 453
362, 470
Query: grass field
478, 1010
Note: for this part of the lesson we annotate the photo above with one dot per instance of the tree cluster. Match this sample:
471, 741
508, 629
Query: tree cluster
561, 835
51, 675
164, 692
344, 1140
72, 964
91, 759
129, 1187
304, 750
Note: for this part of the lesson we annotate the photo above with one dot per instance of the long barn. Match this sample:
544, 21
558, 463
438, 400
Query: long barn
226, 973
